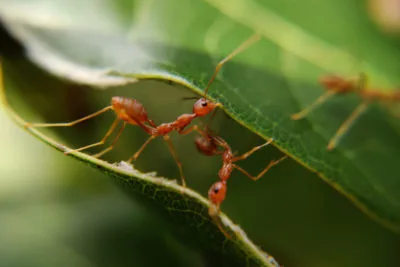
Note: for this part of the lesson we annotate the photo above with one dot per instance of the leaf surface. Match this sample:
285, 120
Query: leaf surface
183, 206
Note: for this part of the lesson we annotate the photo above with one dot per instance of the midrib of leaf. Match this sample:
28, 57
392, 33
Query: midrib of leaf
292, 38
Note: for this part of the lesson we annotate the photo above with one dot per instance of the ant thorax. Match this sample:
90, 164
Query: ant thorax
228, 155
164, 128
225, 172
182, 121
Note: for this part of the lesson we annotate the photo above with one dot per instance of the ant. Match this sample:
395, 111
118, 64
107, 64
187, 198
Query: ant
208, 144
338, 85
131, 111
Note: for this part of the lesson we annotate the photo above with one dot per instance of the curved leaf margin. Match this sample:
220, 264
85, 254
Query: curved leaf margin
124, 173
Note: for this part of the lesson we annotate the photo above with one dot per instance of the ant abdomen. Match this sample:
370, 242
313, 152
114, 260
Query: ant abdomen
129, 109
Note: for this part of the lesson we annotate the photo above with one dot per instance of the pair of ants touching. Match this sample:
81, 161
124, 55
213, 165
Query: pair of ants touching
211, 145
131, 111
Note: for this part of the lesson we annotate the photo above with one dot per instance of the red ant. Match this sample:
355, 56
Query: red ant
131, 111
209, 145
338, 85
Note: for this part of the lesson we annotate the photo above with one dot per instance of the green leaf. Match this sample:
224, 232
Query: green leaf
183, 206
274, 79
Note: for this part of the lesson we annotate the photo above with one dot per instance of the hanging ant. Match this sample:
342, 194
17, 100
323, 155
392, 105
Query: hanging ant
209, 144
131, 111
336, 85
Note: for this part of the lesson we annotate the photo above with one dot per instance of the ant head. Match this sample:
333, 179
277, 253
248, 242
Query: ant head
217, 192
204, 106
205, 145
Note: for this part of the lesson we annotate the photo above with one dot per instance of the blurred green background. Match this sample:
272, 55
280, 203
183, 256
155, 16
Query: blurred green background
56, 211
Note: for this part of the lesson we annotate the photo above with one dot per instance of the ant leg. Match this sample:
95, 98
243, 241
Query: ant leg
361, 81
178, 162
269, 166
251, 151
136, 155
191, 129
152, 123
313, 105
101, 142
101, 153
68, 124
346, 125
242, 47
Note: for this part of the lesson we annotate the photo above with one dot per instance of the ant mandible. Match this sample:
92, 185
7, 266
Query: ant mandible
338, 85
131, 111
208, 144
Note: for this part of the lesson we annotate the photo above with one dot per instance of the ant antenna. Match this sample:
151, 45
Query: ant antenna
190, 97
211, 118
242, 47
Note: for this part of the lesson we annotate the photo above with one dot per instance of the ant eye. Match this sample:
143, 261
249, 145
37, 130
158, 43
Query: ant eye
216, 189
217, 192
204, 104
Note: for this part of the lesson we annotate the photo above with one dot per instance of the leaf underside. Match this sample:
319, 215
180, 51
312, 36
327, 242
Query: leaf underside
183, 206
